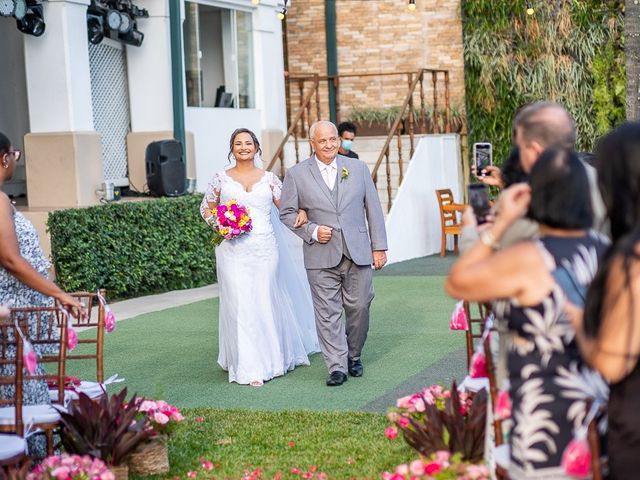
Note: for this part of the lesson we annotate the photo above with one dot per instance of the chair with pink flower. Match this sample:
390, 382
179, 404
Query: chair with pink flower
13, 446
44, 341
97, 320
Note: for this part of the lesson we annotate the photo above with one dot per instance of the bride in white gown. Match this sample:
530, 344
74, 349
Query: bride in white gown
266, 323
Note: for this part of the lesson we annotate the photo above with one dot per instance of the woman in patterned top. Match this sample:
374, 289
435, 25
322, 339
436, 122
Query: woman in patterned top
23, 276
549, 382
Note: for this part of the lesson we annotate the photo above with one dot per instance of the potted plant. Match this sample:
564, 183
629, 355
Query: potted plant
106, 428
71, 467
436, 419
152, 457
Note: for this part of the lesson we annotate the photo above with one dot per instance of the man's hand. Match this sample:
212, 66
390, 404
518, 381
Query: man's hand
379, 259
324, 234
301, 219
490, 175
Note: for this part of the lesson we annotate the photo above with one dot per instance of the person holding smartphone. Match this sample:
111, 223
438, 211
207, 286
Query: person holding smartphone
549, 382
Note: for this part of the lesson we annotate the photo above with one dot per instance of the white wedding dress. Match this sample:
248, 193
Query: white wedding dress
267, 324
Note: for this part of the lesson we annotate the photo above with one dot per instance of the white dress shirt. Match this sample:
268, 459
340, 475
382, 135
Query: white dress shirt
329, 175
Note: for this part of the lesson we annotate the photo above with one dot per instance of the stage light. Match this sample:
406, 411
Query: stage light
530, 10
412, 5
114, 19
95, 27
134, 37
20, 10
7, 7
33, 21
126, 24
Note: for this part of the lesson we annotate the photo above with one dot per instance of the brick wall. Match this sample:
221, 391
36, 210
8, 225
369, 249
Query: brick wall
378, 36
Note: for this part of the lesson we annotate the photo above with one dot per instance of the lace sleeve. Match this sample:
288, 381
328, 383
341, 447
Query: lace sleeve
276, 186
211, 195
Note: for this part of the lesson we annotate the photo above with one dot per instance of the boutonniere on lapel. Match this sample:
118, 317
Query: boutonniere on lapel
345, 174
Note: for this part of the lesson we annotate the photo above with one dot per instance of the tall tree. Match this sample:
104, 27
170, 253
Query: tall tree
632, 57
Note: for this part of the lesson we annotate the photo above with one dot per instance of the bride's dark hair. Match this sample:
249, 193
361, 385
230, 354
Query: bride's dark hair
237, 132
617, 161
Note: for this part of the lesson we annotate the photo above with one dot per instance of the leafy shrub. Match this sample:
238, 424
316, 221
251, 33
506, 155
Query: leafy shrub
132, 248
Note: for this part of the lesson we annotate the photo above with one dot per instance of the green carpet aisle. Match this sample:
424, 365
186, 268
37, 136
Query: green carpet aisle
172, 353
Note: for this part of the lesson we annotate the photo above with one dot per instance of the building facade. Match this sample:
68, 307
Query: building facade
84, 112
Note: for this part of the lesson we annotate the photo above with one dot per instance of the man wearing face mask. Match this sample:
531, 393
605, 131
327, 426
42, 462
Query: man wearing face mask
347, 132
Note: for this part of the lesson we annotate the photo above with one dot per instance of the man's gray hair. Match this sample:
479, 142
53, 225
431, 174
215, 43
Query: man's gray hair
548, 123
314, 126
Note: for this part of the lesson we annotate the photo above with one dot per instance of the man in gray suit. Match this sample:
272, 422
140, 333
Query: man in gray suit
344, 237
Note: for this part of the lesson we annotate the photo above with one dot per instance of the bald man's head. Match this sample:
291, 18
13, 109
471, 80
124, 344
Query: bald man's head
542, 125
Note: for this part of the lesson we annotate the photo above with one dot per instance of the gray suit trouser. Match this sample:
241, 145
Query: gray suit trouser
347, 286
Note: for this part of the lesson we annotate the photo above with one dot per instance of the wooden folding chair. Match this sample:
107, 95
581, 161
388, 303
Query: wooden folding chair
476, 326
448, 219
13, 446
95, 324
46, 329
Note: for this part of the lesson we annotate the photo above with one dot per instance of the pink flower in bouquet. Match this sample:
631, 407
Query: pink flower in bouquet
432, 468
160, 418
502, 410
72, 338
30, 361
109, 320
478, 367
477, 472
576, 459
391, 432
403, 422
443, 456
459, 318
402, 469
417, 467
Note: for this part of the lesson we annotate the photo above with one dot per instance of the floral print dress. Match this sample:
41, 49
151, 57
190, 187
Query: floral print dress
549, 383
15, 294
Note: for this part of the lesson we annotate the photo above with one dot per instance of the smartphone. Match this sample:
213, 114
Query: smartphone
479, 200
482, 156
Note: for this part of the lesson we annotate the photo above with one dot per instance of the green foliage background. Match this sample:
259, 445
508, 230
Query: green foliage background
133, 248
569, 51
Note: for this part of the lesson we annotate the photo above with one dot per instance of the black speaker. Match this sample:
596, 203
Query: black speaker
166, 169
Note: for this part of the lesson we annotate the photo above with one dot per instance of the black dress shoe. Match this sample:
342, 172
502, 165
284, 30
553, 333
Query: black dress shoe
355, 368
336, 378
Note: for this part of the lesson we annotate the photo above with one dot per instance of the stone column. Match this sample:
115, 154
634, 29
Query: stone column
63, 152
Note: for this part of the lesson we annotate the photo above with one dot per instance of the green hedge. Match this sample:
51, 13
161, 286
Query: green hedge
570, 51
133, 248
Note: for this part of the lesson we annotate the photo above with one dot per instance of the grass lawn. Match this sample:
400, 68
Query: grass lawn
343, 445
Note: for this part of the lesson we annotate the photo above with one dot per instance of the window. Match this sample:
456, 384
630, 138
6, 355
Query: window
218, 56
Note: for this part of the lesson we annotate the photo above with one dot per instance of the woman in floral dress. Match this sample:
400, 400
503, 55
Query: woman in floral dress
549, 383
23, 276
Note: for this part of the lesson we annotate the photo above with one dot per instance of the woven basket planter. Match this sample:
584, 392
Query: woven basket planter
120, 472
151, 458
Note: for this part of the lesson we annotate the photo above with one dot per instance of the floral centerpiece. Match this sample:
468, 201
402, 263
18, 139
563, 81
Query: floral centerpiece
439, 466
152, 457
230, 220
436, 419
71, 467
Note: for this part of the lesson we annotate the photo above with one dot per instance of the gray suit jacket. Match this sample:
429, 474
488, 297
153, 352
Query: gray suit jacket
358, 206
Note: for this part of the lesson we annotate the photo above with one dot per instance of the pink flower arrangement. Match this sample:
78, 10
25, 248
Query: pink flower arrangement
416, 402
71, 467
459, 318
162, 416
439, 466
230, 220
478, 368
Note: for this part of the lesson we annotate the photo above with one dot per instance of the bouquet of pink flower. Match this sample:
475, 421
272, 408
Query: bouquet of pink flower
230, 220
432, 395
162, 416
71, 467
439, 466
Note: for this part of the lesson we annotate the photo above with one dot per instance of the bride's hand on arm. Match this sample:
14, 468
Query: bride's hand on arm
301, 219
